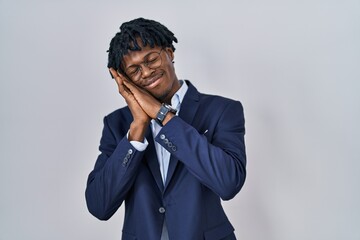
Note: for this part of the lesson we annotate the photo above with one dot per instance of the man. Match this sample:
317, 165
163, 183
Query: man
172, 153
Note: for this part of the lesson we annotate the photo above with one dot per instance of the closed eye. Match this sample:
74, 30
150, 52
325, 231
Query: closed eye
132, 70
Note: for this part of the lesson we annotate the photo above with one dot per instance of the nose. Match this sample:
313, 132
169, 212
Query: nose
146, 71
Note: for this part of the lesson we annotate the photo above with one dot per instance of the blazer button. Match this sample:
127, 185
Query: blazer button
161, 210
125, 162
130, 151
162, 136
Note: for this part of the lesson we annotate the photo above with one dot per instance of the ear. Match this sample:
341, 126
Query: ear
170, 53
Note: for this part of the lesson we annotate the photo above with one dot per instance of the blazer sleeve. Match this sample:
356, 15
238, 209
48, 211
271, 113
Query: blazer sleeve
220, 165
113, 175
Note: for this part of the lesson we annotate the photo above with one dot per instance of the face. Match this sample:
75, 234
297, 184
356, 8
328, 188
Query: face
152, 69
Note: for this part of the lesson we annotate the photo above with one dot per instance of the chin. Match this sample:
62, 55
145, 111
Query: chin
162, 96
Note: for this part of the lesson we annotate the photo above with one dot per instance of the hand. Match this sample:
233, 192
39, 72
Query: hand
148, 103
141, 119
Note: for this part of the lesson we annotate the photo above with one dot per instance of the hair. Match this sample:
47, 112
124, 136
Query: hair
148, 32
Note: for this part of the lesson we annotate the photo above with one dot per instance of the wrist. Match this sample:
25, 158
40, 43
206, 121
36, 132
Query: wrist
137, 131
168, 117
165, 113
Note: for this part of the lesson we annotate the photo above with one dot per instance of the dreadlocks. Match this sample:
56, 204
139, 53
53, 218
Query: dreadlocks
149, 32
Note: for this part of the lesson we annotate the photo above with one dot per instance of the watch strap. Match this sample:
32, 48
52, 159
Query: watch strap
164, 110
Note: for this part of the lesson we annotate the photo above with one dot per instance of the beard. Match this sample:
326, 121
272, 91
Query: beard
165, 95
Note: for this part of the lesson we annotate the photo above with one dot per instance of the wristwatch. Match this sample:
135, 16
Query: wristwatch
165, 108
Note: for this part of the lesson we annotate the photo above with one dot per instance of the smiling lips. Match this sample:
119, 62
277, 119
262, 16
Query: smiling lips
154, 81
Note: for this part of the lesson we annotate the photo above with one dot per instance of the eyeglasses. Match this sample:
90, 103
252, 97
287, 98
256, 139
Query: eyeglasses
151, 60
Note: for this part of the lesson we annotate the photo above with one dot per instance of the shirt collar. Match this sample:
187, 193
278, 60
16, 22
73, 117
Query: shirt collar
179, 96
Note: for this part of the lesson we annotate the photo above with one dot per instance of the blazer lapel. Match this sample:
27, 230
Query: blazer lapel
188, 108
152, 160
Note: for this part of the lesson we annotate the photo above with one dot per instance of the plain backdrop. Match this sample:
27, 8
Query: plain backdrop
295, 66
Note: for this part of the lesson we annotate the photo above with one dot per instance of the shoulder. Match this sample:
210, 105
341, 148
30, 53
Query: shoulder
209, 98
220, 106
205, 98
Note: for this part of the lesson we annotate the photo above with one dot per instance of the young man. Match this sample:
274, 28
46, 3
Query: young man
172, 153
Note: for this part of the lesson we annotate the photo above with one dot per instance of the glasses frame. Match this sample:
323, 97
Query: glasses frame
137, 76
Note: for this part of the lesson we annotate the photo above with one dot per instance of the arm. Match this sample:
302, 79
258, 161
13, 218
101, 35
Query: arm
116, 167
220, 165
113, 175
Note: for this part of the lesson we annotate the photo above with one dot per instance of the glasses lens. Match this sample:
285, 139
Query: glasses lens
132, 71
154, 60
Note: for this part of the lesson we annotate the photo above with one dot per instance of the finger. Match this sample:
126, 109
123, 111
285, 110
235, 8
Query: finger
132, 87
121, 88
126, 94
117, 76
124, 91
113, 72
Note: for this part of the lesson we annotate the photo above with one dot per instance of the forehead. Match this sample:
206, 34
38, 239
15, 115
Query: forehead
137, 57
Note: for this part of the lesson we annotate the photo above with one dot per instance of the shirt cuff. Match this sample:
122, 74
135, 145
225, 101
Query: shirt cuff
139, 146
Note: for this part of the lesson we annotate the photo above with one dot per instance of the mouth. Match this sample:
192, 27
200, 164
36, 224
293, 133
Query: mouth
154, 81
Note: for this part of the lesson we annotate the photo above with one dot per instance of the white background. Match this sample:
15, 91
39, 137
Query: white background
295, 66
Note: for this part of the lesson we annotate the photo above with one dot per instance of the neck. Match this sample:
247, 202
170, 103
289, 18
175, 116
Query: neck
174, 88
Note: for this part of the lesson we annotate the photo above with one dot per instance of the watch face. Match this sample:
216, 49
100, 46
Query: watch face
165, 108
162, 112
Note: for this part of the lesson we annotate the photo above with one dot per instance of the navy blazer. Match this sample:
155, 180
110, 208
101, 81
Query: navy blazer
207, 162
